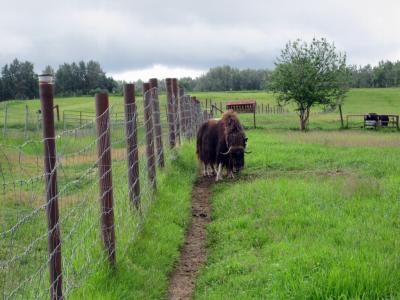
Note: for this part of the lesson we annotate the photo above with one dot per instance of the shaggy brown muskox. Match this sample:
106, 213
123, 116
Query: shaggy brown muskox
221, 143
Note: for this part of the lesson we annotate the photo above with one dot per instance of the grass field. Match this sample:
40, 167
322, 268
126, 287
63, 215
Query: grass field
313, 216
358, 101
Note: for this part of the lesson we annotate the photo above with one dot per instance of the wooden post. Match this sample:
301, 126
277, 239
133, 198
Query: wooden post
64, 121
192, 116
132, 145
170, 115
175, 95
341, 115
157, 122
26, 121
181, 112
187, 115
254, 117
58, 113
5, 119
50, 169
105, 175
148, 122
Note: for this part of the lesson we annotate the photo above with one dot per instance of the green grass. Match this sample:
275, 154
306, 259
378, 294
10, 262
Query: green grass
143, 272
358, 101
309, 218
145, 253
312, 216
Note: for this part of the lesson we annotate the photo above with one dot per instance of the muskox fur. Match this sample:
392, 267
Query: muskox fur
221, 143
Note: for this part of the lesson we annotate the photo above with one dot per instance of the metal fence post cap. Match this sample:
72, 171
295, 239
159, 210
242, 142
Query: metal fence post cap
46, 79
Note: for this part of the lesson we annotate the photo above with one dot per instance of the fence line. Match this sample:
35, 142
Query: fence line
79, 177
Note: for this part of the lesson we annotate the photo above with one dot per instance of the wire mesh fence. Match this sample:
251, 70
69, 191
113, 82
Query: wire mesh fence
63, 213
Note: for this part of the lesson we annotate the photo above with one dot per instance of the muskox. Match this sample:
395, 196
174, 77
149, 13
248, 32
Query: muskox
221, 143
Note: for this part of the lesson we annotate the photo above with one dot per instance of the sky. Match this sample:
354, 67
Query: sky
144, 39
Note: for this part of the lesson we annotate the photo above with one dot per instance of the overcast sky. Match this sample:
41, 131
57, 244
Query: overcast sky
133, 39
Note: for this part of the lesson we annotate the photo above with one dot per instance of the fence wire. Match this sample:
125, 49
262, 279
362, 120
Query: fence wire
24, 257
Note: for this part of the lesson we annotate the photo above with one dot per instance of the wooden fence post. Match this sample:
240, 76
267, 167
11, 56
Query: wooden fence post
192, 116
157, 121
170, 115
186, 111
181, 103
148, 122
341, 115
105, 175
5, 119
64, 121
58, 112
132, 145
175, 95
50, 168
26, 121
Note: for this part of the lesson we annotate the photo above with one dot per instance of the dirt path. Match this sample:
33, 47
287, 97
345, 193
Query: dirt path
193, 254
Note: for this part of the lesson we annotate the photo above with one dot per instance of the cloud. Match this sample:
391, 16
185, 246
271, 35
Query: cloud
128, 36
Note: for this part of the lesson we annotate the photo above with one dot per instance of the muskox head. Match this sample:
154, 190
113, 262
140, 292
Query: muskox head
236, 155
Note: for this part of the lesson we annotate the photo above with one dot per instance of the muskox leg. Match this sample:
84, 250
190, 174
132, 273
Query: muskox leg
214, 169
210, 171
205, 171
219, 175
230, 174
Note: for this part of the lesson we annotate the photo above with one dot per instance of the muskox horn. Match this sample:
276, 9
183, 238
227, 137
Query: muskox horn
227, 152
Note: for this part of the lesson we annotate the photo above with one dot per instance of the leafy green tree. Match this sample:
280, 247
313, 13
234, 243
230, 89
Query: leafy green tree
1, 90
19, 81
309, 74
95, 76
187, 83
64, 80
48, 70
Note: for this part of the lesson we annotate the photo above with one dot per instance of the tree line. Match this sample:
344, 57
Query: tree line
385, 74
227, 78
19, 81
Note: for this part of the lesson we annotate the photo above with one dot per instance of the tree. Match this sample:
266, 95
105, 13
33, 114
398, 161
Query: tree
48, 70
19, 81
308, 75
187, 83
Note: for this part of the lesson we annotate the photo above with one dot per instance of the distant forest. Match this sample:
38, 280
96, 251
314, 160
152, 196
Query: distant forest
19, 81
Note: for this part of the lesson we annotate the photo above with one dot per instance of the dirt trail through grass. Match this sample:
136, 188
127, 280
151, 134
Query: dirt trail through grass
194, 253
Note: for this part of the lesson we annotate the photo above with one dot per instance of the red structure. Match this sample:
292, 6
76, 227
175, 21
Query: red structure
243, 106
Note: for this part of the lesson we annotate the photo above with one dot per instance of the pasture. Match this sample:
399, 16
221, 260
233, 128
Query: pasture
312, 216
